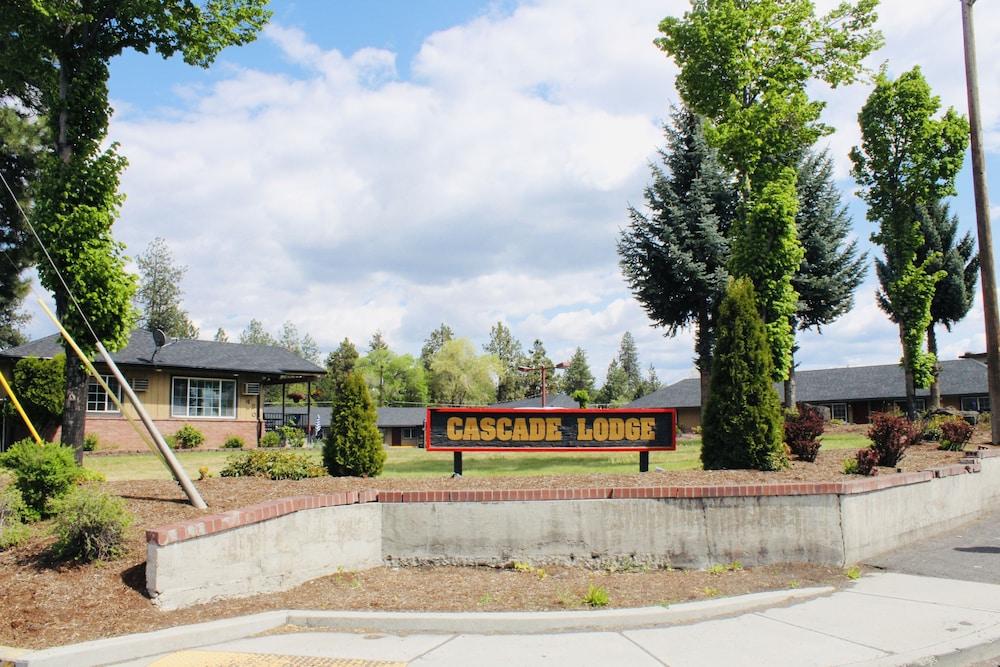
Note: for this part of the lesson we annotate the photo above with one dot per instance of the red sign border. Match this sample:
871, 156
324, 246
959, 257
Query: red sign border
553, 412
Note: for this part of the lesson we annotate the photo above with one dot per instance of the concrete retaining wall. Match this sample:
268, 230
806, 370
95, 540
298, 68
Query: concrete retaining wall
280, 544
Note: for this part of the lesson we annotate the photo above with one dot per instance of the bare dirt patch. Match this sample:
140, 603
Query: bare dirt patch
45, 603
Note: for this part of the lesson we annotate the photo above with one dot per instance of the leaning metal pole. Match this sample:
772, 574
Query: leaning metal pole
988, 276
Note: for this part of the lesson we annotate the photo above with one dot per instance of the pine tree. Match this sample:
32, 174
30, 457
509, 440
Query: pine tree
831, 269
512, 384
538, 358
675, 259
435, 341
256, 334
159, 295
742, 424
578, 375
353, 446
221, 336
339, 365
615, 389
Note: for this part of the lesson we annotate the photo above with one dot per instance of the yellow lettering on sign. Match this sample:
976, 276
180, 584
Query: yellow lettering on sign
583, 432
520, 429
632, 429
536, 429
454, 432
616, 429
600, 429
648, 428
552, 432
488, 428
503, 429
471, 429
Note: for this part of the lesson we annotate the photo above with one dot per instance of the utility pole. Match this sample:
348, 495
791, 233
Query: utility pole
988, 276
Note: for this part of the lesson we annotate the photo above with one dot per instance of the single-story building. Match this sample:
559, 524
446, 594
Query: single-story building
400, 427
850, 394
215, 387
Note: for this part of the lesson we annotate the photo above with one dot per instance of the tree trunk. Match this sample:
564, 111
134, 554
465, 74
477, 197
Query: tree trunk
74, 420
703, 348
935, 385
790, 398
911, 392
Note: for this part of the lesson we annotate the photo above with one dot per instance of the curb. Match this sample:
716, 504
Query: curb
150, 644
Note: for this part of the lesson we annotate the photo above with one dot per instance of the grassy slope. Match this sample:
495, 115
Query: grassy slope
411, 462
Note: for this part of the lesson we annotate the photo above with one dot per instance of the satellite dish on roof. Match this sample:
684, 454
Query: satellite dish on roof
159, 338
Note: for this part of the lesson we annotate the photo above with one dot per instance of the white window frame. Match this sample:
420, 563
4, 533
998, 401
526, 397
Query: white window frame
187, 412
413, 433
978, 401
94, 387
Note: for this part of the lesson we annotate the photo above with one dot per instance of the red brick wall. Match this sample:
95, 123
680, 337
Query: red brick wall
116, 434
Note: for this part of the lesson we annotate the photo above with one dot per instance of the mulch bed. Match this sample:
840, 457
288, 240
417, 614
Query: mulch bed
46, 603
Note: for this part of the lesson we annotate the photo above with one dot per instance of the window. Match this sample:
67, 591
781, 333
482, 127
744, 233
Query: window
839, 411
200, 397
413, 433
976, 403
98, 399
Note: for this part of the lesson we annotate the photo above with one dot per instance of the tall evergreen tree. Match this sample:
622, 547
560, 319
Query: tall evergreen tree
675, 259
908, 159
578, 375
614, 392
742, 425
831, 267
512, 384
353, 444
628, 359
303, 345
159, 295
21, 146
435, 341
538, 358
221, 336
339, 364
256, 334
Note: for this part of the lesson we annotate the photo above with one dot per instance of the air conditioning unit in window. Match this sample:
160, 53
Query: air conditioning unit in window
139, 384
251, 388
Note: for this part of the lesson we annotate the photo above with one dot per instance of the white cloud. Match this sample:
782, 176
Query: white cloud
490, 186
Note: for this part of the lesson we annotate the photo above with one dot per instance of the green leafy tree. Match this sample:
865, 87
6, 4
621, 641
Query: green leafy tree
221, 336
578, 376
675, 258
54, 62
745, 66
742, 424
512, 383
434, 342
302, 345
460, 377
954, 293
353, 444
256, 334
22, 141
159, 295
908, 159
394, 378
831, 267
40, 386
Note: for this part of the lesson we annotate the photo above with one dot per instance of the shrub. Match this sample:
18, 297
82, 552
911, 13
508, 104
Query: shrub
188, 437
802, 430
864, 463
90, 442
90, 526
955, 433
13, 514
40, 385
742, 420
270, 439
582, 397
932, 428
293, 436
597, 596
233, 442
353, 444
273, 465
41, 474
891, 435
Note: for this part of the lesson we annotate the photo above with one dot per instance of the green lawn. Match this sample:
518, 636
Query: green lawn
412, 462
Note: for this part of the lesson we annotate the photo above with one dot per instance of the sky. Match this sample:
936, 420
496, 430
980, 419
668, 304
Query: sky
397, 165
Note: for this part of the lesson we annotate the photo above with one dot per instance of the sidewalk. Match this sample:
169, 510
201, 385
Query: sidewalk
882, 619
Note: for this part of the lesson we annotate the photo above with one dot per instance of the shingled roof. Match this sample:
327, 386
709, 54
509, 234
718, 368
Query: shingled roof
860, 383
192, 354
557, 400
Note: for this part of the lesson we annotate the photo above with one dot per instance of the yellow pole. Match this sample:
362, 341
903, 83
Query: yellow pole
17, 404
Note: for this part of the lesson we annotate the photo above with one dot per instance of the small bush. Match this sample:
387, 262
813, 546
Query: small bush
90, 442
955, 433
13, 514
802, 430
270, 439
891, 435
233, 442
188, 437
90, 526
837, 422
273, 465
41, 474
597, 596
293, 436
865, 463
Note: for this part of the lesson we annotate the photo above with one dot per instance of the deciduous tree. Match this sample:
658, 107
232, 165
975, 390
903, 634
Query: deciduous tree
434, 342
460, 377
908, 159
511, 384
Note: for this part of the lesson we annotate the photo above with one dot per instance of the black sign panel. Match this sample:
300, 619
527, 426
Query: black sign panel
484, 429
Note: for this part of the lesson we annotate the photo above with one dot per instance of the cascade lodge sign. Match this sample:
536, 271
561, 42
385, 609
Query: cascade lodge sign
472, 429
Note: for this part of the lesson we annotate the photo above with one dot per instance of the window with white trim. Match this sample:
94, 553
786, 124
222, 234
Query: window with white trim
413, 433
838, 411
203, 397
976, 403
98, 399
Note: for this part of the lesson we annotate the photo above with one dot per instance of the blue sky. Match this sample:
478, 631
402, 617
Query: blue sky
396, 165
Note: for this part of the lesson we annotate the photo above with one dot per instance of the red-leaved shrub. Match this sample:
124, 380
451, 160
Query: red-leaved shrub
867, 462
955, 433
802, 430
891, 435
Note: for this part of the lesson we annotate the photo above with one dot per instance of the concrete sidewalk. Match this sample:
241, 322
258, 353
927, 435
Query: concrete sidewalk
882, 619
